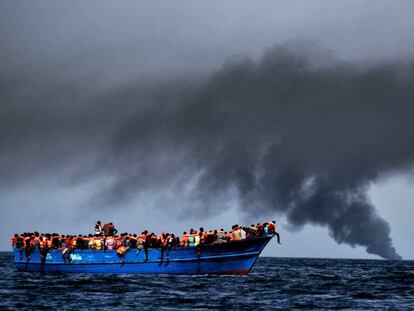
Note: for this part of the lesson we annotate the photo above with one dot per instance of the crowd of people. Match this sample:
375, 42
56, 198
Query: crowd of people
106, 237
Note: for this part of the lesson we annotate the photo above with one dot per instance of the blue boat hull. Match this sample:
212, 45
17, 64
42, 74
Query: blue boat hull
236, 257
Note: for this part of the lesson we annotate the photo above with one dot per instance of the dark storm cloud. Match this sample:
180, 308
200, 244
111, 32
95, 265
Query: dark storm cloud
295, 132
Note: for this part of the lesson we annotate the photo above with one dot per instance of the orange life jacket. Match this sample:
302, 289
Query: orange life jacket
27, 242
229, 236
42, 242
121, 250
271, 228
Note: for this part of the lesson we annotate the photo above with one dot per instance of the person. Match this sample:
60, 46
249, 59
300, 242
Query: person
260, 229
98, 228
91, 243
229, 236
242, 233
63, 242
221, 235
66, 252
252, 231
133, 241
147, 245
28, 245
235, 233
14, 240
55, 241
169, 245
105, 229
209, 237
141, 241
121, 251
191, 239
109, 243
272, 230
184, 239
112, 230
197, 239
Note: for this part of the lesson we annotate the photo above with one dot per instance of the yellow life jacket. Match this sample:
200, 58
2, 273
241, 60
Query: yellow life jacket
98, 244
196, 240
91, 244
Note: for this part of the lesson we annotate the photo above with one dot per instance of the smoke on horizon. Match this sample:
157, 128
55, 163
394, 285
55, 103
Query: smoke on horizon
292, 133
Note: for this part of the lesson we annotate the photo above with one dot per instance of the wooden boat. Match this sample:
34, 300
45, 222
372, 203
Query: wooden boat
234, 258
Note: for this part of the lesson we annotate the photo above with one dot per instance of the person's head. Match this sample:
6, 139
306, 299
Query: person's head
185, 232
274, 221
98, 222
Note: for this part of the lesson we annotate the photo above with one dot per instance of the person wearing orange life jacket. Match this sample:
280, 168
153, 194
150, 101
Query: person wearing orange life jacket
14, 240
49, 243
229, 236
209, 237
118, 241
19, 243
141, 241
184, 239
121, 251
154, 240
253, 231
147, 244
28, 245
56, 241
272, 230
162, 242
260, 229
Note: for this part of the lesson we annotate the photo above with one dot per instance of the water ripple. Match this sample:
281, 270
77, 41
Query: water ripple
275, 283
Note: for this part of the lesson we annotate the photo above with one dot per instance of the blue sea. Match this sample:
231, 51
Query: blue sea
274, 283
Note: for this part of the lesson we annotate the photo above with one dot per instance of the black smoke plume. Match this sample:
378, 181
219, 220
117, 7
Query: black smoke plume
297, 133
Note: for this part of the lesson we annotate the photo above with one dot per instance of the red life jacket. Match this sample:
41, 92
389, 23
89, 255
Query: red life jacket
271, 228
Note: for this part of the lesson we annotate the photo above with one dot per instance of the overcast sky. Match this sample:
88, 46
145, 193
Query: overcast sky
169, 115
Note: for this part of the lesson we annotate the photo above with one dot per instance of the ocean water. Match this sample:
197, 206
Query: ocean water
274, 283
